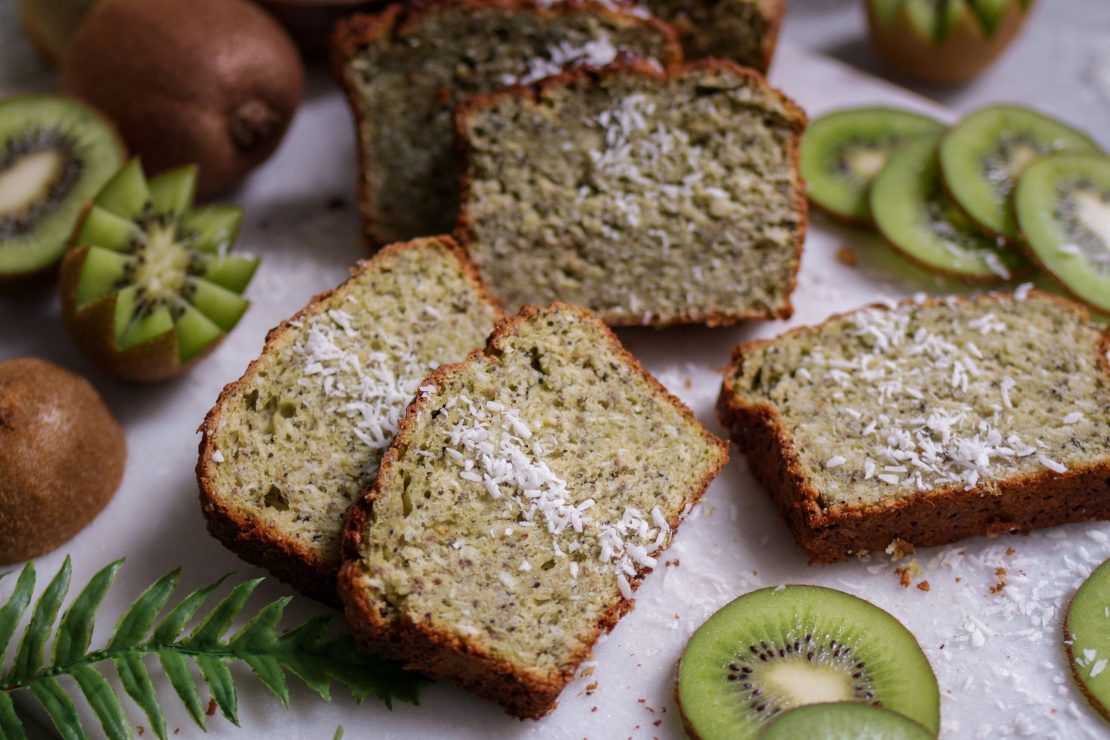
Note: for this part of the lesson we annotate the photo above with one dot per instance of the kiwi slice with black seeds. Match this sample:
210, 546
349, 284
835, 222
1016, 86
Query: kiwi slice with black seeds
843, 721
150, 287
1063, 207
914, 215
843, 151
779, 648
55, 154
1087, 639
982, 157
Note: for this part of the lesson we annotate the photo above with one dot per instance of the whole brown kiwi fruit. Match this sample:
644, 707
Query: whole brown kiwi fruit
61, 457
211, 82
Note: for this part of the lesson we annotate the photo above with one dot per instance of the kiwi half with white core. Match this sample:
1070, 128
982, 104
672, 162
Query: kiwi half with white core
150, 287
914, 215
1063, 208
843, 721
843, 152
983, 156
778, 648
55, 153
1087, 639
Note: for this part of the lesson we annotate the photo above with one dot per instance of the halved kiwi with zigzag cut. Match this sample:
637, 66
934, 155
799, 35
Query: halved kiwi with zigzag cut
775, 649
1063, 208
149, 287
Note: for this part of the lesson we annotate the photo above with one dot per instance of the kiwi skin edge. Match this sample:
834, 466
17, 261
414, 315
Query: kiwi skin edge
92, 327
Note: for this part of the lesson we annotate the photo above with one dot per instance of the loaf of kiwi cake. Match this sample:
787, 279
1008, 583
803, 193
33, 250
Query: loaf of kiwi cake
293, 442
647, 197
742, 31
404, 70
528, 491
928, 421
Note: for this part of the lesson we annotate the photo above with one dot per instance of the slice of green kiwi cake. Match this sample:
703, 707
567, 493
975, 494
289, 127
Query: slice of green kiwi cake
915, 216
1087, 639
982, 157
778, 648
843, 152
149, 287
1063, 208
55, 153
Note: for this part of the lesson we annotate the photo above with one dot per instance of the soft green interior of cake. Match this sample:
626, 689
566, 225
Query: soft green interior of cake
936, 396
303, 436
726, 29
408, 86
443, 551
639, 200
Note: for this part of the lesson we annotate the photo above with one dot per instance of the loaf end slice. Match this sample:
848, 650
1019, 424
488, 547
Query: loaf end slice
292, 443
405, 68
927, 422
647, 197
741, 31
528, 492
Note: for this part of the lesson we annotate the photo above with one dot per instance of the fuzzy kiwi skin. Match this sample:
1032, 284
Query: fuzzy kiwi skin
310, 22
92, 328
964, 53
215, 82
62, 455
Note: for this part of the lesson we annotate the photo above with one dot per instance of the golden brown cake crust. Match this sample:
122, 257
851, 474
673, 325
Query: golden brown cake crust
1020, 504
396, 20
638, 67
523, 692
252, 540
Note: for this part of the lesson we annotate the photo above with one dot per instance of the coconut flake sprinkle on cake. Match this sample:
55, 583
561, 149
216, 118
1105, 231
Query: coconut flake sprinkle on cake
493, 446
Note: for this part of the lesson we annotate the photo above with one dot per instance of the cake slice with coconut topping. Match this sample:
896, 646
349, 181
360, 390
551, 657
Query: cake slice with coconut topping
647, 197
293, 442
529, 490
928, 421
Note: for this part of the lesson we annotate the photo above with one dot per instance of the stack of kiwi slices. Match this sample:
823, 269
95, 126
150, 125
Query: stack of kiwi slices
1002, 191
149, 287
55, 153
806, 661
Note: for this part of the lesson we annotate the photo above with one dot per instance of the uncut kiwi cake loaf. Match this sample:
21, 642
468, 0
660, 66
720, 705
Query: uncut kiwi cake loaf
928, 421
293, 442
404, 70
528, 491
647, 197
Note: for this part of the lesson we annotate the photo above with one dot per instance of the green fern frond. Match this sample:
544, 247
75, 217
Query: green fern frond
304, 652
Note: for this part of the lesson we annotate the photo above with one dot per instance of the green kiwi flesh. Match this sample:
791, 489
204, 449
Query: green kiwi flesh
1063, 208
55, 154
914, 215
1087, 639
843, 151
844, 721
982, 157
779, 648
164, 262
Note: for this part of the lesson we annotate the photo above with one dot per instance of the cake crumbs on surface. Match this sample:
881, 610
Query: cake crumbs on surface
899, 549
845, 255
923, 586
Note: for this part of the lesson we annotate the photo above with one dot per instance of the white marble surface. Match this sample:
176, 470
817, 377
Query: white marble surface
997, 656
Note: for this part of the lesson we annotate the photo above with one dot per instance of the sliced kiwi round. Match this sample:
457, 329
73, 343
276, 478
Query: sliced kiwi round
844, 721
982, 157
1063, 207
779, 648
55, 153
915, 216
843, 151
1087, 639
149, 287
